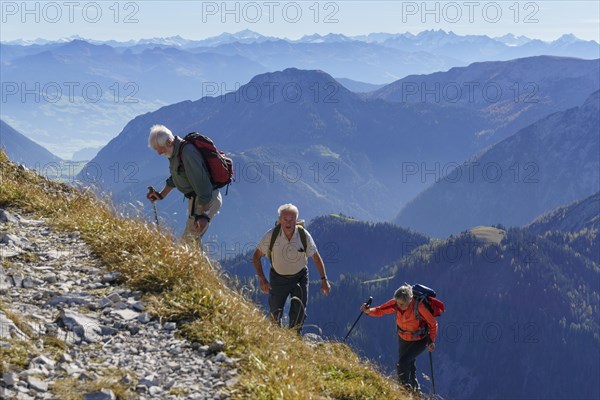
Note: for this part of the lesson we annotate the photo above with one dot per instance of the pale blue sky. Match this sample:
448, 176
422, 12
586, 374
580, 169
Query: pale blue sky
124, 20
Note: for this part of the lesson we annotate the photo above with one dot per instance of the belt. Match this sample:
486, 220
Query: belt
298, 274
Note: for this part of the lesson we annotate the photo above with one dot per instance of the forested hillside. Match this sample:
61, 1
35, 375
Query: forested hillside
512, 306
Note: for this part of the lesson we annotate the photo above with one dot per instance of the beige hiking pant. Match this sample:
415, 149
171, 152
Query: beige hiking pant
190, 236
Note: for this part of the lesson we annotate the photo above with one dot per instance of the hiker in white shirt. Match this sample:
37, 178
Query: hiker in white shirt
288, 245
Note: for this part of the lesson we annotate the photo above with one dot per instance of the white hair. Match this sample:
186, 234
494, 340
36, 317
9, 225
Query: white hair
404, 292
289, 207
159, 136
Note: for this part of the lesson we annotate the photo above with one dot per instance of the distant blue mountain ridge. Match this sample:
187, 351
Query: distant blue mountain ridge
95, 87
249, 36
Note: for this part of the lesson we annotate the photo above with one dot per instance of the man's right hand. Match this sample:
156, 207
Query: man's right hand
365, 309
153, 195
265, 286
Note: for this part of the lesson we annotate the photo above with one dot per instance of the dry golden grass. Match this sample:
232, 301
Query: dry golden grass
19, 323
17, 355
20, 352
73, 389
275, 363
488, 234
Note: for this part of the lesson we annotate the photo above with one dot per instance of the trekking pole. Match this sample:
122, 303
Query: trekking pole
431, 367
368, 304
152, 190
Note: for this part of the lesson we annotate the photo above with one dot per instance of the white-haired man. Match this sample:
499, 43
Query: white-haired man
288, 245
190, 176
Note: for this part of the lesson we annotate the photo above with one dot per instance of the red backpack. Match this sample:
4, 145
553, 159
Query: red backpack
427, 296
220, 167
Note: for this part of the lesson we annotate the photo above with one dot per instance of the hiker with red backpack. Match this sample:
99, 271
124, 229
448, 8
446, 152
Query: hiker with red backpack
416, 325
288, 246
190, 174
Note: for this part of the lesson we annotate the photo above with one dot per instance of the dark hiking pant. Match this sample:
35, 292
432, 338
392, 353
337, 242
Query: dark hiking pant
407, 361
283, 286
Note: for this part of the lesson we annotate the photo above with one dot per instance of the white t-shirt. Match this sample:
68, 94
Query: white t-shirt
289, 257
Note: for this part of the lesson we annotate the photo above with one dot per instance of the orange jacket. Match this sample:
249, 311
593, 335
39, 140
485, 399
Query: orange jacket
407, 321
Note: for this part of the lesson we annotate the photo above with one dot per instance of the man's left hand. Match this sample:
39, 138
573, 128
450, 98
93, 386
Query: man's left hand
431, 347
325, 287
200, 225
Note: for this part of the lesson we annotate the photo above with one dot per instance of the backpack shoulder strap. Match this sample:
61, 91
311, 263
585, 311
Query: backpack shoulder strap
187, 139
180, 151
302, 233
274, 235
416, 301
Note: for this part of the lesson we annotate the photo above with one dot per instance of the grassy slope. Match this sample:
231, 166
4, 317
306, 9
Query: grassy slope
274, 362
488, 234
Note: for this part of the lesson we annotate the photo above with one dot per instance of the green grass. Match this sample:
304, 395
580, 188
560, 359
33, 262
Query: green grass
274, 362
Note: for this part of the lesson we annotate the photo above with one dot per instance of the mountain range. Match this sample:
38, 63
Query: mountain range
329, 132
79, 94
509, 94
338, 141
554, 161
434, 41
51, 89
339, 149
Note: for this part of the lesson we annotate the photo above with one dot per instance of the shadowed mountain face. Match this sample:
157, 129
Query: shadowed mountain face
295, 136
22, 150
575, 225
581, 214
300, 136
549, 163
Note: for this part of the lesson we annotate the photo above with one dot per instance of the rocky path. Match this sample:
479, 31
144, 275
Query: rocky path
53, 287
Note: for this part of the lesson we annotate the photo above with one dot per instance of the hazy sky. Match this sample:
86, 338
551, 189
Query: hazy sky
124, 20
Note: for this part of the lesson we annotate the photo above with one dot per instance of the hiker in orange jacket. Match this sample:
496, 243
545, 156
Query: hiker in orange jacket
415, 332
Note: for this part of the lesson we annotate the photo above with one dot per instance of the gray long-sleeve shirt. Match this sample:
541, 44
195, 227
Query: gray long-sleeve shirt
195, 177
